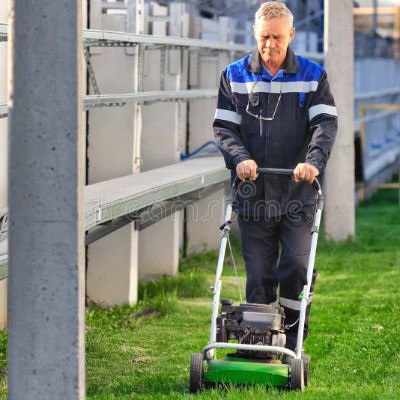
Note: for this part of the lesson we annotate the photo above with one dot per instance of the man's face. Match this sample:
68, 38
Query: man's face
273, 37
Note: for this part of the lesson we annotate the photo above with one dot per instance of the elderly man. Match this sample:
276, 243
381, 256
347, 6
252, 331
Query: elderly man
275, 110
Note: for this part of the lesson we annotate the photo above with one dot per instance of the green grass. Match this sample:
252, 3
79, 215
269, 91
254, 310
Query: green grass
143, 352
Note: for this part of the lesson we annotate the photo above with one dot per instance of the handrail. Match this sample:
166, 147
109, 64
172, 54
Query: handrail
148, 97
103, 100
181, 95
377, 93
368, 118
96, 37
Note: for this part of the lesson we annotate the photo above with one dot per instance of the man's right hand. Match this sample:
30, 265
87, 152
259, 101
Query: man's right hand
247, 170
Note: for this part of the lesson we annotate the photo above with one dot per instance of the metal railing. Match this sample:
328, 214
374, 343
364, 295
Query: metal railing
102, 38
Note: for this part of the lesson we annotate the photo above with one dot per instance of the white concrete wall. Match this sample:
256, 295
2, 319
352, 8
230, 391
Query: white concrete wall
3, 151
204, 219
119, 257
163, 136
112, 261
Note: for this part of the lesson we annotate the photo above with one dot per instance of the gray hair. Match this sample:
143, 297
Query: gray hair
273, 9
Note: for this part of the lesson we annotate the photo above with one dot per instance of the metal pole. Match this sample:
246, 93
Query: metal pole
375, 17
375, 27
308, 26
46, 275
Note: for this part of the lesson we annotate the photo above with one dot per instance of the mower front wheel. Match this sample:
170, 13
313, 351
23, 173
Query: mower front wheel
196, 373
296, 379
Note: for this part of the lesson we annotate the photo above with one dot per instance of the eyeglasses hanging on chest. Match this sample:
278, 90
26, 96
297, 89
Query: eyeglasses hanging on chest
270, 104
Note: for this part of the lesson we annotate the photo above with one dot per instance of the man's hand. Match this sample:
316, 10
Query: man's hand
305, 172
247, 170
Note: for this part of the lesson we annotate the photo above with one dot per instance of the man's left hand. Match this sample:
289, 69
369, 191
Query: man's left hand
305, 172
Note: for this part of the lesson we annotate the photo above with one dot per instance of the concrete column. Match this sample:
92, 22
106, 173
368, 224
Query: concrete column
3, 152
162, 140
339, 176
204, 219
112, 261
3, 121
46, 270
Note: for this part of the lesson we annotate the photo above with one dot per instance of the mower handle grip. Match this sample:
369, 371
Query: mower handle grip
275, 171
280, 171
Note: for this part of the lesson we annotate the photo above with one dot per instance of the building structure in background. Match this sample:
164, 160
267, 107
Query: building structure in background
135, 139
377, 93
377, 28
126, 139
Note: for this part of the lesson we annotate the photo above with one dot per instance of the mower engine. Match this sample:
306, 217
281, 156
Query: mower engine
248, 323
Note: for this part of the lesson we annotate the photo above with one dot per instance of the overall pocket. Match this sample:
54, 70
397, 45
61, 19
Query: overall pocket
250, 127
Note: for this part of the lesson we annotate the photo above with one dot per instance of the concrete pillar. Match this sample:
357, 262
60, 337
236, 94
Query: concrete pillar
111, 280
3, 151
112, 261
46, 269
339, 177
3, 121
204, 219
163, 139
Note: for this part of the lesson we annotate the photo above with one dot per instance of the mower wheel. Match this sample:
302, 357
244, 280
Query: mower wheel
196, 373
296, 379
307, 366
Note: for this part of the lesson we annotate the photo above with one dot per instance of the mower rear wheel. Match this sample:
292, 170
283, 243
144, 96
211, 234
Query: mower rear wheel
307, 366
196, 373
296, 379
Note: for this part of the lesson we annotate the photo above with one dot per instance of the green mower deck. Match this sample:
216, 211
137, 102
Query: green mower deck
243, 371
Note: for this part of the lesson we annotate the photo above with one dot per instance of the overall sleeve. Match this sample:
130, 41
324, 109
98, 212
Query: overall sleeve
323, 125
227, 127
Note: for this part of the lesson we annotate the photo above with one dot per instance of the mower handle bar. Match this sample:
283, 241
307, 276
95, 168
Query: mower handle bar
282, 171
275, 171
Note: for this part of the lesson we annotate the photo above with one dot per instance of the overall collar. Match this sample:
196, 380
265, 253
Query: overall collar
290, 65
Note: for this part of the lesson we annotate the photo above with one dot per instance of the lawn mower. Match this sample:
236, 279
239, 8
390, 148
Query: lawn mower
255, 331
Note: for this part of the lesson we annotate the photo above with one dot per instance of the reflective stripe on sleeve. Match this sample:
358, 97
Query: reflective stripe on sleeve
293, 304
226, 115
321, 109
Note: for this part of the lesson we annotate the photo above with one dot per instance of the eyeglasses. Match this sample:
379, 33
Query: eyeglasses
269, 97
